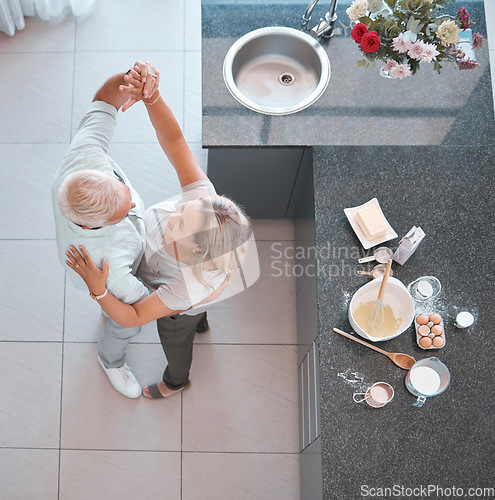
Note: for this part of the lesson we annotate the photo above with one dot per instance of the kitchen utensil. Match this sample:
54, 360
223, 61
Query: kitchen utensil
377, 272
381, 255
377, 314
402, 360
426, 378
378, 395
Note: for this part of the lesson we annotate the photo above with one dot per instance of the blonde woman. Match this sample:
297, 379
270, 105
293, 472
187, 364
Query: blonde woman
195, 244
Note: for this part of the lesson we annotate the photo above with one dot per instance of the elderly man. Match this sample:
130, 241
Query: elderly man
95, 206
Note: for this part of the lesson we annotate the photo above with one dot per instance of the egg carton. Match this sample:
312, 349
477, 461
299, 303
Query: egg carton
430, 321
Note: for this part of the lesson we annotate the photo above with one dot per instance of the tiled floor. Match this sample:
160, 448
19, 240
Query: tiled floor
64, 432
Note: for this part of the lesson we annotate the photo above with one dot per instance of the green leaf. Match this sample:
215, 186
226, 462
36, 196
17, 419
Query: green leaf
391, 4
361, 63
337, 31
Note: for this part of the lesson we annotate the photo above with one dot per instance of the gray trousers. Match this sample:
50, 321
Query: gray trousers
177, 336
113, 343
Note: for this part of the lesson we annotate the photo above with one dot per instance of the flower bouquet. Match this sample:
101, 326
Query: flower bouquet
405, 33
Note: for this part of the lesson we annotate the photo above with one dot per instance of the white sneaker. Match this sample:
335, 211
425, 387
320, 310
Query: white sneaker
123, 380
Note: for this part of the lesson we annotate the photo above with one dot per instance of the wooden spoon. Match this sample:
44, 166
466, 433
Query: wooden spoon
403, 361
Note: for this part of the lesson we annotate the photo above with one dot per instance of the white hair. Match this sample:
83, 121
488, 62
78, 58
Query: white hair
90, 197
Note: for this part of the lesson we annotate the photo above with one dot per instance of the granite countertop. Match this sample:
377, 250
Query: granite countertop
448, 191
359, 107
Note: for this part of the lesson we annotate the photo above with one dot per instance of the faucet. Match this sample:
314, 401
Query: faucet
325, 27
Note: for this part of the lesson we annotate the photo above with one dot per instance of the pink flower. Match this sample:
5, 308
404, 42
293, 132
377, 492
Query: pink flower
400, 71
416, 50
463, 16
477, 40
468, 64
400, 45
458, 54
430, 52
390, 64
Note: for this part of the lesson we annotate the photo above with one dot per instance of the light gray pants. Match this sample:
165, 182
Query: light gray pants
113, 343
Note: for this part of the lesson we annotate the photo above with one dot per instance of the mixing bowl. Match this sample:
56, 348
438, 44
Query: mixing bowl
396, 296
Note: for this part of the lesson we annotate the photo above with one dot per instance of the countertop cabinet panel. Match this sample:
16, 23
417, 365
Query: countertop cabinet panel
260, 179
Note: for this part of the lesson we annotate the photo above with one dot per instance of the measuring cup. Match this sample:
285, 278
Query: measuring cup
381, 255
426, 378
378, 395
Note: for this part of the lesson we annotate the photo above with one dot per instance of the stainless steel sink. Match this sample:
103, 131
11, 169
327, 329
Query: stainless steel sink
276, 70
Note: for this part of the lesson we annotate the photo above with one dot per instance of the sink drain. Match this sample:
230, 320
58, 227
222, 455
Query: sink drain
286, 79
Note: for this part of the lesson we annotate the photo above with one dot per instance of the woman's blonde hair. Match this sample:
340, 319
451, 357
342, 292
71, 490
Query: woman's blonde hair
223, 240
90, 197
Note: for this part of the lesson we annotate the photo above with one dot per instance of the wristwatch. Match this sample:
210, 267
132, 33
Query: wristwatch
98, 297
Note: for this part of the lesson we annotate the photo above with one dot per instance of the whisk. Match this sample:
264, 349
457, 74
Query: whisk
376, 316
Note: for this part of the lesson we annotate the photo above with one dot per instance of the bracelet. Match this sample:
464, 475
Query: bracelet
98, 297
154, 102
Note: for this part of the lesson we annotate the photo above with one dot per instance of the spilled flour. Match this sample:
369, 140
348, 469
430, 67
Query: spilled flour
354, 379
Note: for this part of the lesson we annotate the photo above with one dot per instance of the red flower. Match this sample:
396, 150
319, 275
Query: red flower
370, 42
358, 31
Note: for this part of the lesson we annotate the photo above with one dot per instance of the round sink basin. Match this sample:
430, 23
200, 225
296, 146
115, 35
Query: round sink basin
276, 70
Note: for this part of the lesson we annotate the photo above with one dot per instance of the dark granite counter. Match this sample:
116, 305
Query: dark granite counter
429, 159
359, 106
448, 191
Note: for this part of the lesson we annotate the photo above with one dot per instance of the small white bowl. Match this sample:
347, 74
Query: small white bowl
396, 296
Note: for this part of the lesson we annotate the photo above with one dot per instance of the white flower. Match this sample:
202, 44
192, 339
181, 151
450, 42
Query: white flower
448, 32
358, 8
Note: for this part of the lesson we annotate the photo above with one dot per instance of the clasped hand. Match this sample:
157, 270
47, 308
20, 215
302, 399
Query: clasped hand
142, 83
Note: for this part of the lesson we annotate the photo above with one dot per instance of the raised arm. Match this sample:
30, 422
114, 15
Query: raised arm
172, 140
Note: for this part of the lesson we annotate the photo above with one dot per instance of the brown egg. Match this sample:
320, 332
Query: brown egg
437, 329
425, 342
437, 341
424, 330
436, 318
422, 319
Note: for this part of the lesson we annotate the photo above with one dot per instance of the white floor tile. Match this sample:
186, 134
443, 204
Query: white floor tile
243, 476
192, 28
119, 25
148, 169
123, 475
273, 229
32, 292
95, 416
41, 36
37, 108
134, 124
29, 474
276, 281
27, 172
192, 97
84, 320
30, 394
200, 154
242, 399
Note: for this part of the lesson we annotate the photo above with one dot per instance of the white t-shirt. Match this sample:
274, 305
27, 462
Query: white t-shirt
172, 280
122, 244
